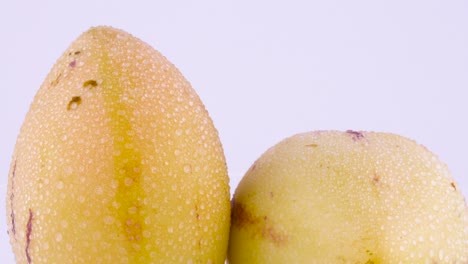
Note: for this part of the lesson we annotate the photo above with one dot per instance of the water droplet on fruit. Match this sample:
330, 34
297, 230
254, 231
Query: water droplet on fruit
128, 181
132, 210
109, 220
187, 168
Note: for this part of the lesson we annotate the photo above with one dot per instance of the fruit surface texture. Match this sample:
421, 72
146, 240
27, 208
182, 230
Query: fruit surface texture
348, 197
117, 161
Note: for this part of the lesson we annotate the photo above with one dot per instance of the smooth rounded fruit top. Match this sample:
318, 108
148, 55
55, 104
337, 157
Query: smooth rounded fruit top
348, 197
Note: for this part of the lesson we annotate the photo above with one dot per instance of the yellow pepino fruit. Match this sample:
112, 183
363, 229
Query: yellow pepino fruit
117, 161
348, 197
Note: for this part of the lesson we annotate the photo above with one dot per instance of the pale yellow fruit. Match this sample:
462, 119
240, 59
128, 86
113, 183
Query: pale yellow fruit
117, 162
348, 197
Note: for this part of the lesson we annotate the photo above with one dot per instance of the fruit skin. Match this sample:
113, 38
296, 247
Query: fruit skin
117, 162
348, 197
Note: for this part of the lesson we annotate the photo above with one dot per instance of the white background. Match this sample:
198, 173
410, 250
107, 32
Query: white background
269, 69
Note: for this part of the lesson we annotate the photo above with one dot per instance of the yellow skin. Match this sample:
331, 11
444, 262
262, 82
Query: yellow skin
117, 162
348, 197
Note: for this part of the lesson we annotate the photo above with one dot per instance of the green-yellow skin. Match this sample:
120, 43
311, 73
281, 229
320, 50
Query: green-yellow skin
348, 197
117, 162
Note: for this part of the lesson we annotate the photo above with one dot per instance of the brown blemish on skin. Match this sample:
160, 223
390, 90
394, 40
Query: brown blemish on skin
259, 226
57, 80
356, 135
197, 215
376, 178
74, 100
74, 53
12, 196
253, 167
313, 145
90, 84
242, 218
233, 200
453, 185
28, 235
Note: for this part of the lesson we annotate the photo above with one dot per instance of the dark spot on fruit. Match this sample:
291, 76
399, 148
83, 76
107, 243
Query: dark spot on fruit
241, 217
57, 80
258, 226
355, 135
72, 64
28, 235
90, 84
197, 215
313, 145
272, 194
376, 178
253, 167
75, 101
453, 186
12, 197
74, 53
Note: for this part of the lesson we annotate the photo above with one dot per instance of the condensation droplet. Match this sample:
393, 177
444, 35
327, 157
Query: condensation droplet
98, 190
109, 220
58, 237
60, 185
128, 181
147, 220
97, 235
187, 168
132, 210
114, 184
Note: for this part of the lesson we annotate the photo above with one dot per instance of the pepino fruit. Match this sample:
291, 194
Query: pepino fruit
117, 161
348, 197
